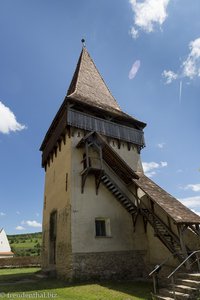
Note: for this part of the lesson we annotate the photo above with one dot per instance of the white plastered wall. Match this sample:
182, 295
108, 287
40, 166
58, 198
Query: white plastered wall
88, 206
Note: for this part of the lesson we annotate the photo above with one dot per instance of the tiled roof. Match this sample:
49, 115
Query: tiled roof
6, 253
174, 208
88, 86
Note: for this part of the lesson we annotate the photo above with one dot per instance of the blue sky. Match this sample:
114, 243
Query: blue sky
149, 55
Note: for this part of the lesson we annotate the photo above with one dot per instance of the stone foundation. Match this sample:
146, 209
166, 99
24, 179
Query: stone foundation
109, 265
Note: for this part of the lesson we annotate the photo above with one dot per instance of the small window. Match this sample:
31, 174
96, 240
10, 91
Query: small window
102, 227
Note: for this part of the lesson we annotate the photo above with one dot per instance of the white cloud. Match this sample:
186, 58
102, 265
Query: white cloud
193, 187
148, 14
134, 69
2, 214
161, 145
8, 120
19, 228
196, 212
151, 167
134, 33
191, 202
163, 164
169, 76
32, 223
190, 67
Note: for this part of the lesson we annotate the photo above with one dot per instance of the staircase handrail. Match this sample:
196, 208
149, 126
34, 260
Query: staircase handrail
182, 263
158, 267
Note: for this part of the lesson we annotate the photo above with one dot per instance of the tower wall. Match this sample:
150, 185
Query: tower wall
129, 153
110, 256
126, 252
57, 198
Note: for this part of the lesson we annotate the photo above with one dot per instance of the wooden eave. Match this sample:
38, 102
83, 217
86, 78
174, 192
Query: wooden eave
54, 123
172, 207
120, 117
124, 118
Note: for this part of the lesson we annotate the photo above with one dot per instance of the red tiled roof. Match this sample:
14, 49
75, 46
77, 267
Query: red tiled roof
6, 253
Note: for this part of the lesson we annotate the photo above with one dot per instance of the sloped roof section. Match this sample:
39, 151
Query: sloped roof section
87, 85
174, 208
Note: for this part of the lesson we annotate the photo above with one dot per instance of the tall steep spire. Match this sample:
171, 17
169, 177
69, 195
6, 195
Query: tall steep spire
87, 85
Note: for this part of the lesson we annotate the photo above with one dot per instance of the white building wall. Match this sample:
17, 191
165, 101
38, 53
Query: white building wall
88, 206
4, 244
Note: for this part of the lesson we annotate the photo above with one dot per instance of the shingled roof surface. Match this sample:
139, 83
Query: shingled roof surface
88, 85
174, 208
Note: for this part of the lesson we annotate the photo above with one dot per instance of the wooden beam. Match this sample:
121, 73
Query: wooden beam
181, 230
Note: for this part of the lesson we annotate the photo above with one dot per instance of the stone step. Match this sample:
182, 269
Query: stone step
192, 276
157, 297
169, 293
188, 282
183, 288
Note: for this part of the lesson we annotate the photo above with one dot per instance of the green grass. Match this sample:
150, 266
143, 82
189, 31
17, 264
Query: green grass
59, 290
10, 275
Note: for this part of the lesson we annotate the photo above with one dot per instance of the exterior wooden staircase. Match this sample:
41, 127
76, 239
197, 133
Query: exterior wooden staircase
119, 195
162, 231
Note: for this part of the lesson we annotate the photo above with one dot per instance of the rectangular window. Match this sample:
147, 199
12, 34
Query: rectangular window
102, 227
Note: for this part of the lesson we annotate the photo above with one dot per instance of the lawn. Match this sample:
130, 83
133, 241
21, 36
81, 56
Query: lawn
35, 288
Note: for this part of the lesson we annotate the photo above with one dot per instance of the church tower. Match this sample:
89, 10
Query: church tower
103, 218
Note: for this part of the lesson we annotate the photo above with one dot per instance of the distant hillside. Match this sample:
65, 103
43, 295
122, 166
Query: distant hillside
28, 244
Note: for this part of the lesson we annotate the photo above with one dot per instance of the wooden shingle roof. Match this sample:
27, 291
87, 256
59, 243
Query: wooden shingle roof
174, 208
87, 85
